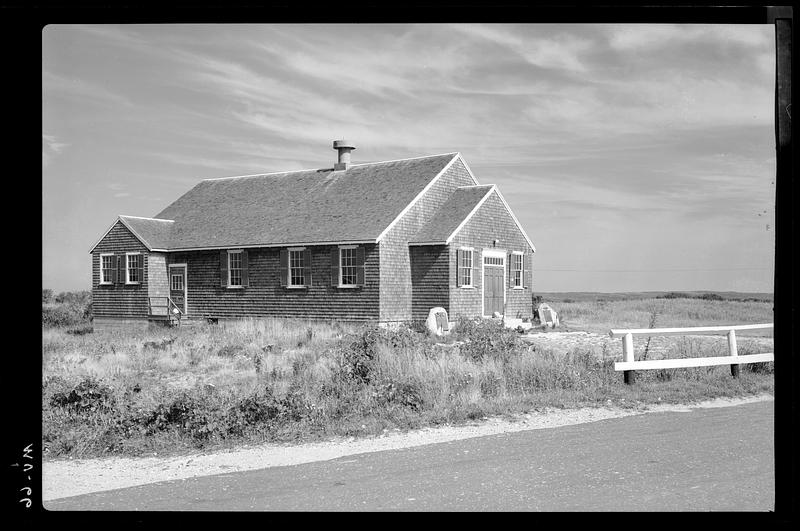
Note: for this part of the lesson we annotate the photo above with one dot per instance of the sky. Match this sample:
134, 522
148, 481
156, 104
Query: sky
636, 157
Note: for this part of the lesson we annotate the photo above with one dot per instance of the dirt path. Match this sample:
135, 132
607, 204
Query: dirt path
63, 478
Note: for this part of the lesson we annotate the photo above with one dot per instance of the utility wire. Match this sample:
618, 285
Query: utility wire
653, 270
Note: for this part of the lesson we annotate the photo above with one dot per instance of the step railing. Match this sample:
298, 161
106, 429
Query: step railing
171, 310
629, 365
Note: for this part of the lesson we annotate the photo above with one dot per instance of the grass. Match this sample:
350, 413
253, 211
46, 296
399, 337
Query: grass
175, 390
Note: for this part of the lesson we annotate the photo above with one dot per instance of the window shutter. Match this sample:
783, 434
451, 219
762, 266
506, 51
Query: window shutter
523, 271
460, 272
140, 269
360, 266
223, 269
307, 266
284, 267
120, 269
335, 266
476, 257
510, 267
245, 274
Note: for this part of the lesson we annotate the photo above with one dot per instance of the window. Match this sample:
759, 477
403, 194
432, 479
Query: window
349, 266
493, 260
107, 266
234, 268
296, 267
134, 268
516, 270
465, 267
176, 283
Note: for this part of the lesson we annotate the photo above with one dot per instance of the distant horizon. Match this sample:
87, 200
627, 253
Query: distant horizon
637, 157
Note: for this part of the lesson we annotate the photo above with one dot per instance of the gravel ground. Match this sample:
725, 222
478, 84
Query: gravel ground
63, 478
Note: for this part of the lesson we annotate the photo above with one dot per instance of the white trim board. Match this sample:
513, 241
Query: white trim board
185, 285
472, 213
419, 196
120, 219
497, 253
519, 225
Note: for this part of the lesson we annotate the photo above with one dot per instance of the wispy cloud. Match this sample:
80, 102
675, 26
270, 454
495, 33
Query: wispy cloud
51, 147
54, 85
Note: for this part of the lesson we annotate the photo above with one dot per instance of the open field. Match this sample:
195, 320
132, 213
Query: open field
169, 391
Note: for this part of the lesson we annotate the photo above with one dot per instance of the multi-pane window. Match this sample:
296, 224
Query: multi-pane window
134, 268
516, 270
235, 268
465, 267
177, 282
296, 268
348, 266
493, 260
107, 266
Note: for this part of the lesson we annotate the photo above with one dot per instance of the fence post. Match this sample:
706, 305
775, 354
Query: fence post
734, 353
627, 356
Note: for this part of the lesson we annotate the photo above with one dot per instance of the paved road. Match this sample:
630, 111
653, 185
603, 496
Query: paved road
703, 460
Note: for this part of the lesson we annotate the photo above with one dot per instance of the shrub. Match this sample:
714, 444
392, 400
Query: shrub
674, 295
356, 353
406, 394
485, 338
88, 396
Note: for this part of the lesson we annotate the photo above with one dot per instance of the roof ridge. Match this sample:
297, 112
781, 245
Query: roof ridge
330, 169
141, 217
409, 158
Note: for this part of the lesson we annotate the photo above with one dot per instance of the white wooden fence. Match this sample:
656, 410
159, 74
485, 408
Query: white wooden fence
734, 360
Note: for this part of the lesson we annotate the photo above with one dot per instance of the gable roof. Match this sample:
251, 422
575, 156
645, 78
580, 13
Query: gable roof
452, 215
153, 233
456, 211
299, 207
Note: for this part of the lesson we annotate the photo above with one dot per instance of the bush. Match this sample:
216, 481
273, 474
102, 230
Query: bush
485, 338
69, 309
88, 396
405, 394
356, 353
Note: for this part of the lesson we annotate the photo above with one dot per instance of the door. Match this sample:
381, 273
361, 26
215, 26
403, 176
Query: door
492, 289
177, 286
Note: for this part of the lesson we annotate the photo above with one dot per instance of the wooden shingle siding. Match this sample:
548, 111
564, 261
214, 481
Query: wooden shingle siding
265, 297
119, 299
491, 221
429, 277
395, 279
158, 277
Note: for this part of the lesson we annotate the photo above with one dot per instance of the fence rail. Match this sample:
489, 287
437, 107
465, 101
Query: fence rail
629, 365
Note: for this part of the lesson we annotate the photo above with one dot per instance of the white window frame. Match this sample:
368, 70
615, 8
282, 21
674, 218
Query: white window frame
355, 258
521, 270
496, 253
104, 280
289, 284
185, 285
128, 268
471, 268
241, 279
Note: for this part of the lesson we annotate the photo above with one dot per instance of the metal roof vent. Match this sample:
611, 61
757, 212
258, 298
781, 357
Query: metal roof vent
344, 148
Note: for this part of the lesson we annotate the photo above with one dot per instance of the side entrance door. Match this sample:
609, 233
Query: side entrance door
493, 284
177, 285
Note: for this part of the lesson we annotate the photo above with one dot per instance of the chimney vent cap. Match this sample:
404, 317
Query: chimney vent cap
342, 144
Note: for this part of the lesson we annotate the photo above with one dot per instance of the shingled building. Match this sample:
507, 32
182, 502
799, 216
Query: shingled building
381, 241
